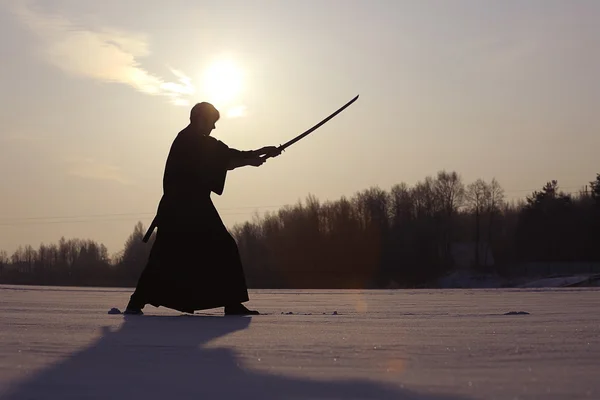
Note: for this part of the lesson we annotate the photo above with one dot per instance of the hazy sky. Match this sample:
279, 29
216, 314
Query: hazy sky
93, 93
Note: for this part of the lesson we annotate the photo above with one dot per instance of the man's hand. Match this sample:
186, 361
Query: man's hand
255, 161
269, 151
255, 158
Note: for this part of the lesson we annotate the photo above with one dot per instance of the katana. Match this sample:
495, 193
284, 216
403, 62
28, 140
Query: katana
282, 147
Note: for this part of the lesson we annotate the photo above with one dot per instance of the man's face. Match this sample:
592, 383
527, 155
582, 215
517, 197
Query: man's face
207, 126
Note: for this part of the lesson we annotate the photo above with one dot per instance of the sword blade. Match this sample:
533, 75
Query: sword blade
294, 140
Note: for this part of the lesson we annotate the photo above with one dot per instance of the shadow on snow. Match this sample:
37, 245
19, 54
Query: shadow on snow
162, 357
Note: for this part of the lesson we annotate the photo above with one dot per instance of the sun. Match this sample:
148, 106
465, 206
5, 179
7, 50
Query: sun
222, 82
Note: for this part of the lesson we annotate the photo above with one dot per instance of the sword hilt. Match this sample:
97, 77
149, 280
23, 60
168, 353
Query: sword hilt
281, 150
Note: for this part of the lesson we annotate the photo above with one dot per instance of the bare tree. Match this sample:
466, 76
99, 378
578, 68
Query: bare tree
30, 257
3, 260
484, 198
450, 191
18, 258
400, 204
424, 198
495, 203
477, 197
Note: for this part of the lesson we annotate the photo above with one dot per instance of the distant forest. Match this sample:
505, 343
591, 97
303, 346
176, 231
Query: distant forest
408, 236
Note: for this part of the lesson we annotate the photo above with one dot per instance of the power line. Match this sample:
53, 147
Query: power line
112, 217
65, 218
107, 219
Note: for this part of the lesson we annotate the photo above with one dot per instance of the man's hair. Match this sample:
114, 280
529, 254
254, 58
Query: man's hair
204, 111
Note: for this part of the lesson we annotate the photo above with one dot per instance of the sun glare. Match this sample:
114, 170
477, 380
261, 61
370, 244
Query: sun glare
222, 83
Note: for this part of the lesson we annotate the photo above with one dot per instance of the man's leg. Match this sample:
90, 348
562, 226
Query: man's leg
136, 303
239, 285
139, 298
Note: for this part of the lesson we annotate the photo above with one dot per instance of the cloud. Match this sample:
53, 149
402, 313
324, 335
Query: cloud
89, 168
105, 54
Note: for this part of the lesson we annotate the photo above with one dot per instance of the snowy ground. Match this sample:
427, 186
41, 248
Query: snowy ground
60, 343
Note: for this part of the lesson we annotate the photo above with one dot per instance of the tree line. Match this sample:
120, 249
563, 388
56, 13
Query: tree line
409, 236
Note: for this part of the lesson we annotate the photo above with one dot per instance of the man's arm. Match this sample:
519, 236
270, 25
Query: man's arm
252, 157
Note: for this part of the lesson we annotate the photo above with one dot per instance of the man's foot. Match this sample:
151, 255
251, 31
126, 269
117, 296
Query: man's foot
133, 311
239, 309
134, 306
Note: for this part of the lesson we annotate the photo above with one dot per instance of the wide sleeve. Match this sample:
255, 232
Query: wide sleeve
214, 162
218, 156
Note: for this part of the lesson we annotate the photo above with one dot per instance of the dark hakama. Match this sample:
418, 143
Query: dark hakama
194, 263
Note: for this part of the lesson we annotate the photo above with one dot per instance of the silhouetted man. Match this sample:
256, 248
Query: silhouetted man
194, 263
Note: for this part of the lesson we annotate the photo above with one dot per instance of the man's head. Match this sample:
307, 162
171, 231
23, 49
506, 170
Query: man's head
204, 116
